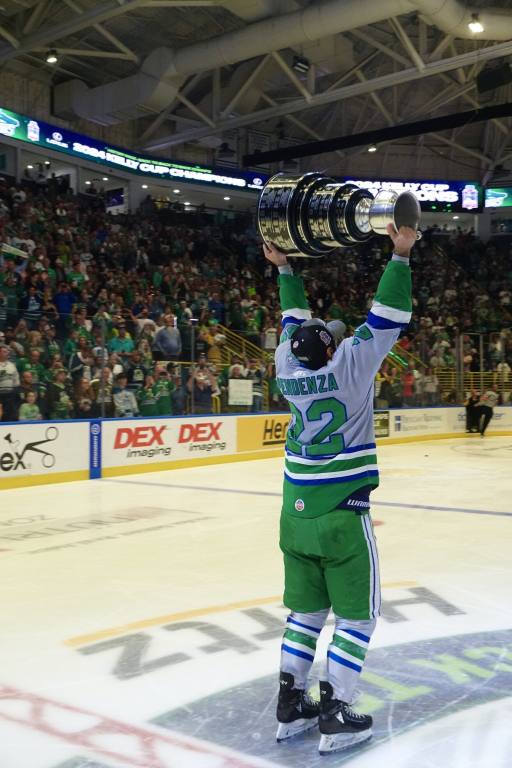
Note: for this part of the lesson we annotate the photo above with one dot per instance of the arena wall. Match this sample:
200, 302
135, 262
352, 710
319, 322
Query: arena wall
59, 451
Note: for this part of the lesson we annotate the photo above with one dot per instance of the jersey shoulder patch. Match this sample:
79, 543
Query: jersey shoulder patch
362, 333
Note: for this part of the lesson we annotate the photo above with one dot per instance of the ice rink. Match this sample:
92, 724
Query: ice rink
141, 618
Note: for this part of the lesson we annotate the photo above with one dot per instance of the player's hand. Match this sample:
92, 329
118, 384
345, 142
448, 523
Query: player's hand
403, 240
274, 255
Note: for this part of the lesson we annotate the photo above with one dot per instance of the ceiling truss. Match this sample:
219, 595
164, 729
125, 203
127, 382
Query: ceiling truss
378, 89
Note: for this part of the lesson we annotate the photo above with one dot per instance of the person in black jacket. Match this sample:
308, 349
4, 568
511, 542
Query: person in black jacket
472, 411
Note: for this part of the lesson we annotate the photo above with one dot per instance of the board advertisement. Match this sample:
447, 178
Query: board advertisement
143, 443
381, 423
267, 432
48, 452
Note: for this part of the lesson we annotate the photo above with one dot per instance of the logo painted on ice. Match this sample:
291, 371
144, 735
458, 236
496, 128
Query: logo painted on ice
408, 684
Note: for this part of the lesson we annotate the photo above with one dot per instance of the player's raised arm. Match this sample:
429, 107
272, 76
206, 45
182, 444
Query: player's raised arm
390, 312
292, 296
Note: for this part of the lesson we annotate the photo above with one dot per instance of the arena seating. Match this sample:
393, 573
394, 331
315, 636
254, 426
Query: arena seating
153, 314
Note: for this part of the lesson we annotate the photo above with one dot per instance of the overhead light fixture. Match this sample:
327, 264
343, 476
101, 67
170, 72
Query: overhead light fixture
105, 178
475, 24
227, 198
87, 182
47, 162
372, 148
455, 217
301, 64
187, 203
176, 191
30, 167
144, 186
51, 56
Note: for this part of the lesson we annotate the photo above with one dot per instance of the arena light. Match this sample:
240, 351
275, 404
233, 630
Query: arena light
30, 167
176, 191
87, 183
51, 56
187, 203
301, 64
372, 148
475, 24
47, 162
144, 186
455, 217
105, 178
227, 198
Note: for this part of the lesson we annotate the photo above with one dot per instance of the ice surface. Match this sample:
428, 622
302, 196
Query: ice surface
141, 618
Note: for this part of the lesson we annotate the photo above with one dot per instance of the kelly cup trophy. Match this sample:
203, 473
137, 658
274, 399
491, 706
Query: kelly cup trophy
311, 214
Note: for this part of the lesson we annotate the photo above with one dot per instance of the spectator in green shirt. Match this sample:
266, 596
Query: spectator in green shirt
34, 365
163, 389
335, 311
75, 275
146, 398
51, 346
59, 404
71, 345
29, 410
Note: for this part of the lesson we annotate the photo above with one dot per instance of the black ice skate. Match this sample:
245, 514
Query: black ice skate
340, 726
296, 711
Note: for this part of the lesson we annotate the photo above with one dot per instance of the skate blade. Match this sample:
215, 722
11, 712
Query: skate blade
287, 730
334, 742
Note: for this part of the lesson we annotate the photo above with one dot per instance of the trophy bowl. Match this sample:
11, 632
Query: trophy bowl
312, 214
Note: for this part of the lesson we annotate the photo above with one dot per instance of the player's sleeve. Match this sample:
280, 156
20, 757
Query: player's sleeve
390, 313
294, 304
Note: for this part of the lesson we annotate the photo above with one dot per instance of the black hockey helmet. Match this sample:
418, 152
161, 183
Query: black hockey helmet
310, 343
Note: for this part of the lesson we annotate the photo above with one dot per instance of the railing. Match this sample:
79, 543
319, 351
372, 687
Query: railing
236, 344
480, 381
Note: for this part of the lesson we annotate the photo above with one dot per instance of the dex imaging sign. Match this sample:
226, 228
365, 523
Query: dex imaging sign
143, 442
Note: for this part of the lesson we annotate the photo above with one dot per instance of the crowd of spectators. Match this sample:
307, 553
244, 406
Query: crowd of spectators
100, 315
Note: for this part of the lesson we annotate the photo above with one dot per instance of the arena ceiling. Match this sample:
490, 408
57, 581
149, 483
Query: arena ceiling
217, 72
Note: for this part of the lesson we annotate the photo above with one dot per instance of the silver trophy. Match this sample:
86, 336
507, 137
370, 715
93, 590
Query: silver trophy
311, 214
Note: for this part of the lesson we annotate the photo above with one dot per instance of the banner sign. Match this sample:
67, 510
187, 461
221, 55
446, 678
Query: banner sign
50, 450
46, 452
498, 197
43, 134
381, 423
239, 392
255, 433
142, 442
443, 196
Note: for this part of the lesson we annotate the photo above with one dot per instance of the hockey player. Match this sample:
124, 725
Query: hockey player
330, 554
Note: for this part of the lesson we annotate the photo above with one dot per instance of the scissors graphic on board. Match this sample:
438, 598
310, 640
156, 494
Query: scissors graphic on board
47, 460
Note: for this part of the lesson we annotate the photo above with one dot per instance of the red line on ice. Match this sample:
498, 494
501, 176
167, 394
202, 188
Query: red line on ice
40, 710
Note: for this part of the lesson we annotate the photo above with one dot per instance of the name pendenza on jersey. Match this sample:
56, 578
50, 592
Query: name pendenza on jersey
308, 385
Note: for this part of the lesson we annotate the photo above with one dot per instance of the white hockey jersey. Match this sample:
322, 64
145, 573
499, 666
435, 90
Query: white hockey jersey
330, 445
